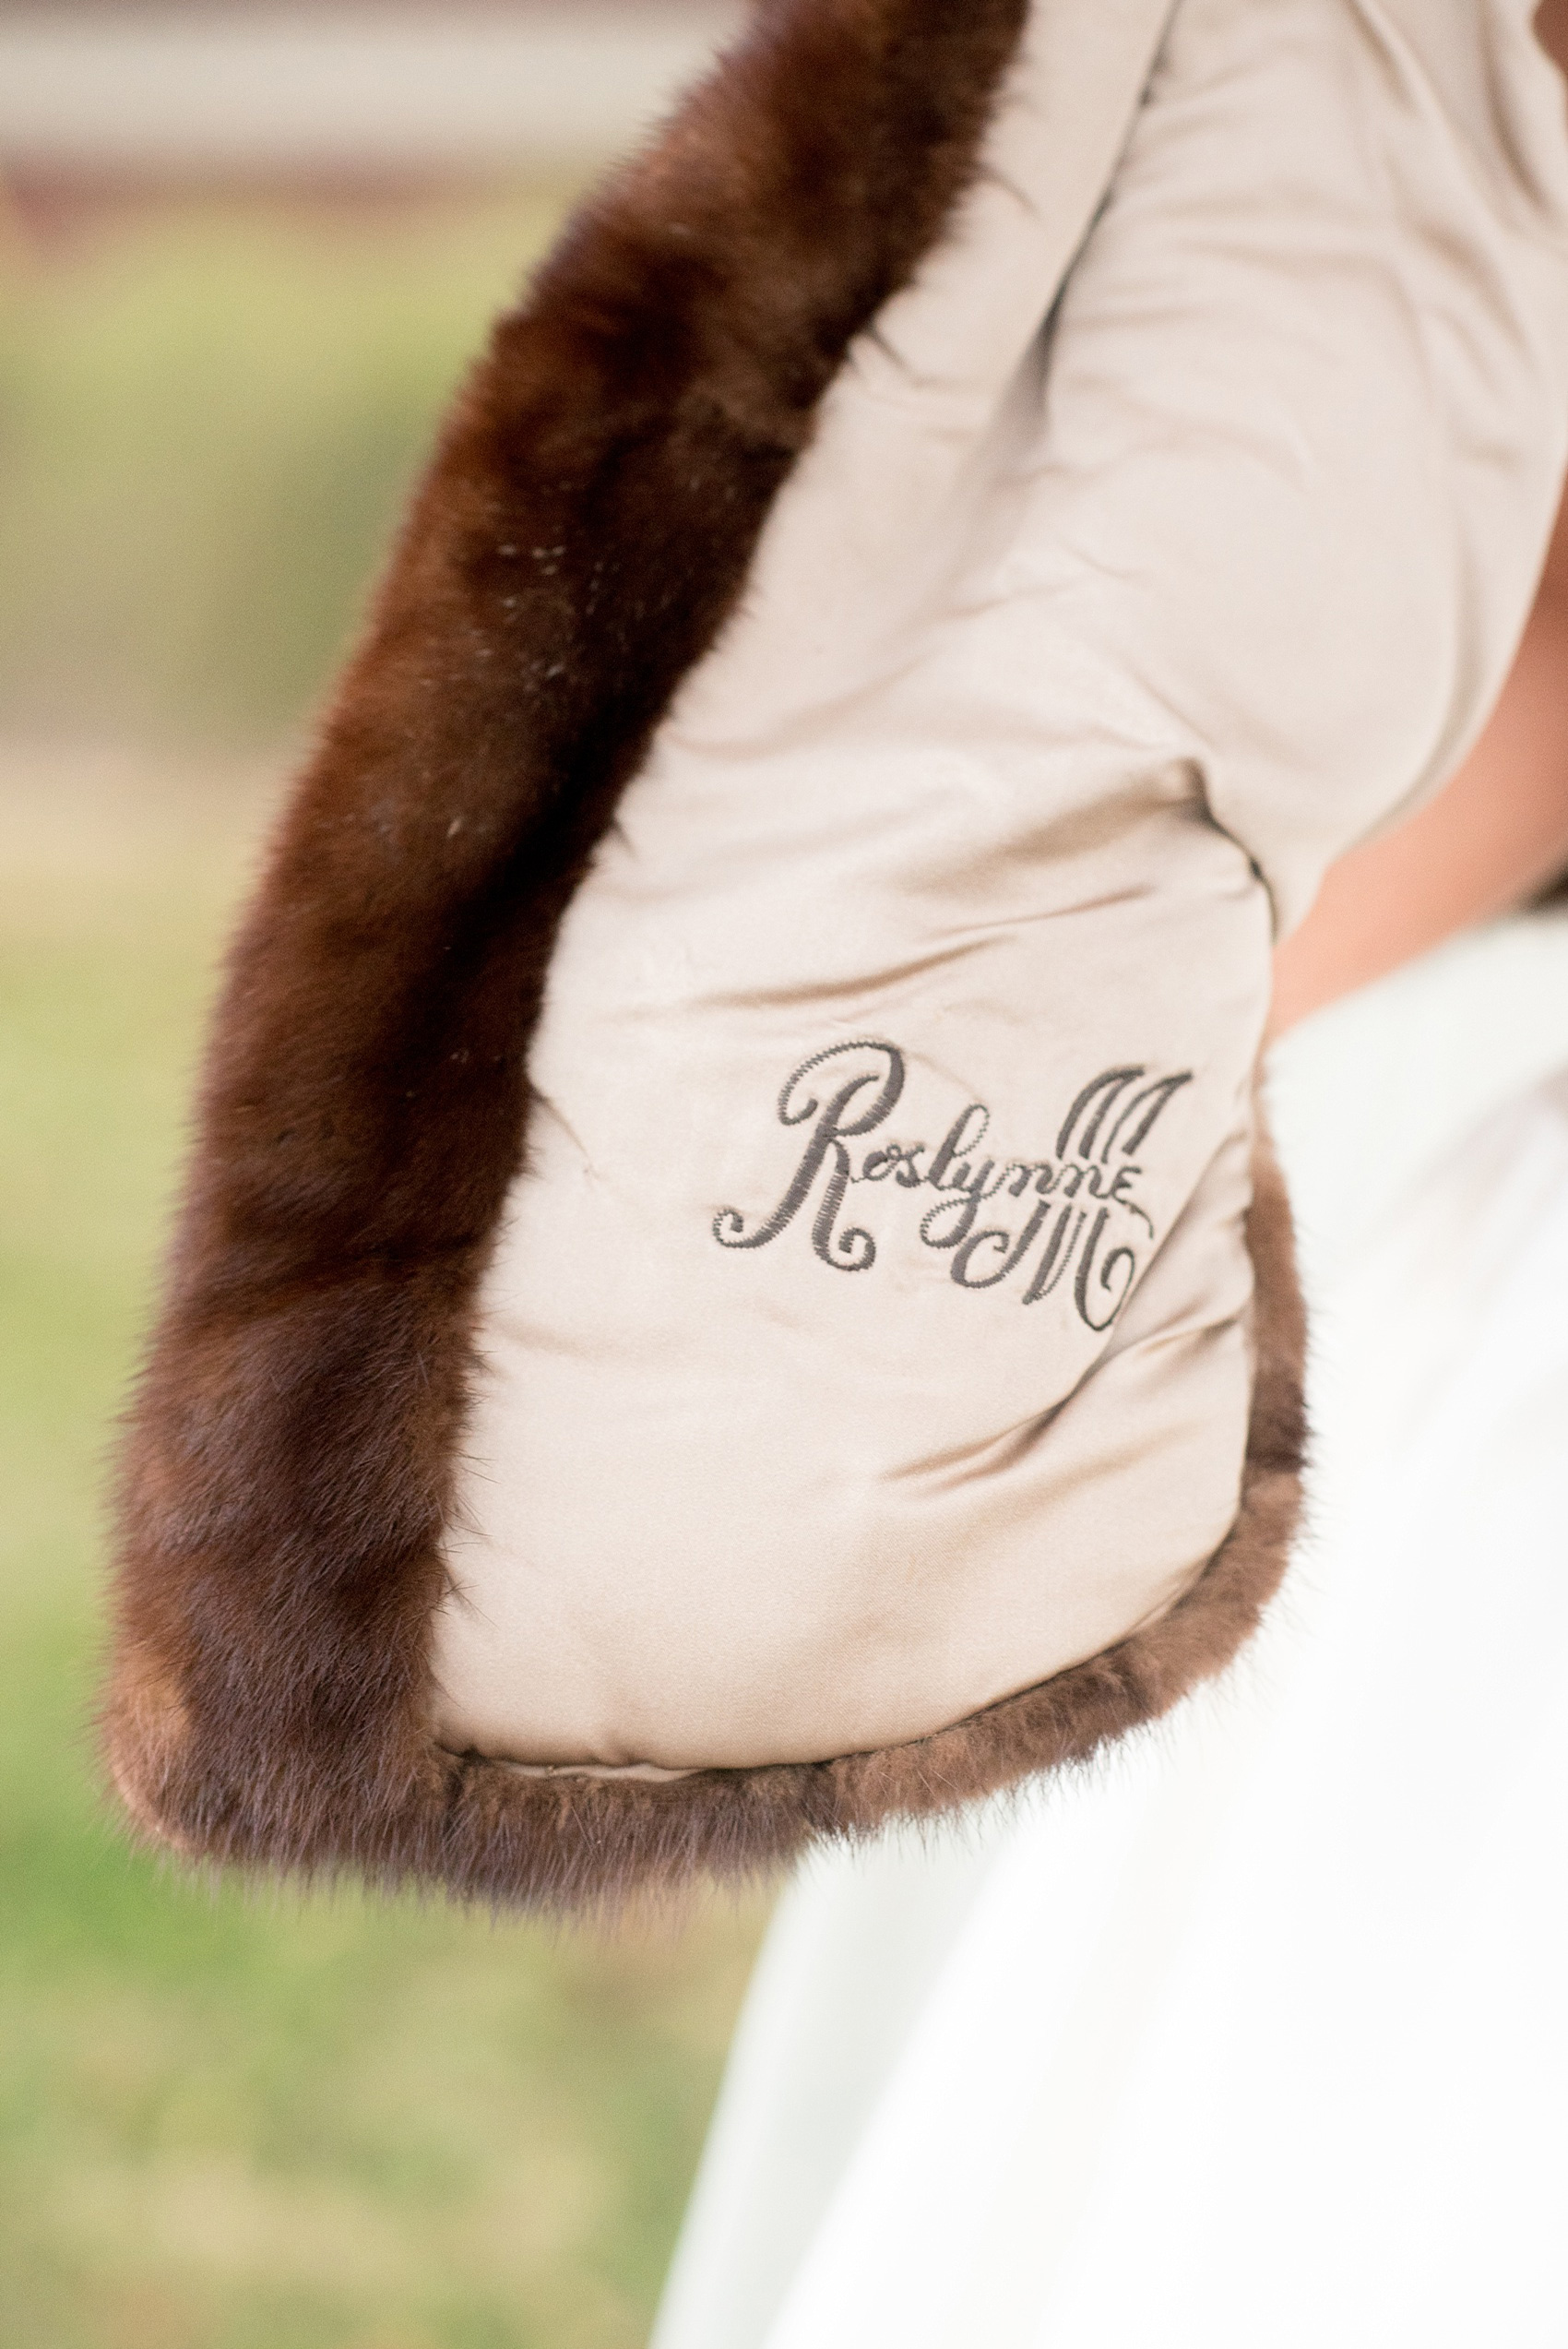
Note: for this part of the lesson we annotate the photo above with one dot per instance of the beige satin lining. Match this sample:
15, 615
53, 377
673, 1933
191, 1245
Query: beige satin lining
575, 1770
1055, 682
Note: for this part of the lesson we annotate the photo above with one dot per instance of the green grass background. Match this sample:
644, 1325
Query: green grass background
233, 2120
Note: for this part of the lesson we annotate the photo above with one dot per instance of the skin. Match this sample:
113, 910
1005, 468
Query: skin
1492, 839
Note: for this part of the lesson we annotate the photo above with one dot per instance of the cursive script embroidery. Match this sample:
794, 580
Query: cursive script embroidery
1083, 1218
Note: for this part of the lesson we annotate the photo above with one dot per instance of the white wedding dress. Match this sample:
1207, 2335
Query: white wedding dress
1255, 2037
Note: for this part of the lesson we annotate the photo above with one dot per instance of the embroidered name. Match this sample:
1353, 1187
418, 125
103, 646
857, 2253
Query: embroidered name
1077, 1212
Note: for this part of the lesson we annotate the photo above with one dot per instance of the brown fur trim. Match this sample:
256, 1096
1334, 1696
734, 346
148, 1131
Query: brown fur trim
586, 530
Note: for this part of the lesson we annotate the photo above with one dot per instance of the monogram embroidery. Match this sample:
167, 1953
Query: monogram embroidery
1083, 1218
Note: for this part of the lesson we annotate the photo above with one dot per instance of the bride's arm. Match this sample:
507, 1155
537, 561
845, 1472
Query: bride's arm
1491, 839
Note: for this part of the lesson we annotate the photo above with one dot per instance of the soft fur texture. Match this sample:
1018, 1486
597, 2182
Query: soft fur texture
584, 530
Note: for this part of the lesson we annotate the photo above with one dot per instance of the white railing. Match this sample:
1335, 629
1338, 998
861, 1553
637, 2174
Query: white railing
342, 88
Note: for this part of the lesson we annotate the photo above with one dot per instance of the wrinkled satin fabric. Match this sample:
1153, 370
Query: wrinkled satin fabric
869, 1335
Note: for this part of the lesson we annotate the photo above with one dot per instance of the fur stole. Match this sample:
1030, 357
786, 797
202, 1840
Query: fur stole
583, 534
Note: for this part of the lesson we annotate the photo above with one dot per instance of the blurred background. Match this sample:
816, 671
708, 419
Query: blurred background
245, 252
